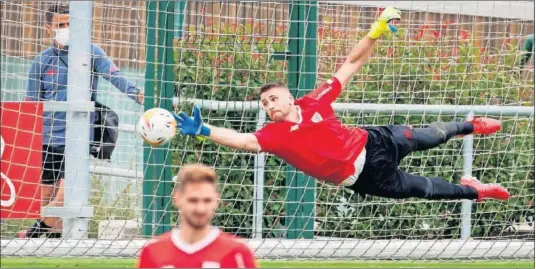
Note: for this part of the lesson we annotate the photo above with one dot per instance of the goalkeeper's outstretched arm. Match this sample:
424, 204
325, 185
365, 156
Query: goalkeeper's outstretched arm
223, 136
233, 139
355, 60
359, 55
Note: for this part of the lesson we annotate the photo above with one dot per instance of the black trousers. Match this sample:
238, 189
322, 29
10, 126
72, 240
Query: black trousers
53, 164
387, 145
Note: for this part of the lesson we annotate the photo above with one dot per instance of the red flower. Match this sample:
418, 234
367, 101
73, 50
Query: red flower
482, 50
436, 34
336, 34
379, 11
447, 23
320, 32
420, 34
233, 26
208, 21
464, 35
390, 52
441, 54
436, 76
507, 40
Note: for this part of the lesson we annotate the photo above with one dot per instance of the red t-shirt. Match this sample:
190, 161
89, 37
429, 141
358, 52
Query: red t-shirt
217, 250
319, 145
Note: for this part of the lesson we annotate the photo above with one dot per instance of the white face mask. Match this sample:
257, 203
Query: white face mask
62, 36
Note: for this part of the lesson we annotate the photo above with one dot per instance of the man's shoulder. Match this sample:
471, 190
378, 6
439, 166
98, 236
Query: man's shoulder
310, 100
161, 241
45, 54
233, 243
95, 46
274, 126
97, 50
48, 51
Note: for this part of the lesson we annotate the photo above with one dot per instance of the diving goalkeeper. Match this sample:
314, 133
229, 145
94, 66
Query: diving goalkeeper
307, 134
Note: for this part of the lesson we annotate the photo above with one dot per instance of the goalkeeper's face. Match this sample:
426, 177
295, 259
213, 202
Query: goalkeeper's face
197, 203
277, 102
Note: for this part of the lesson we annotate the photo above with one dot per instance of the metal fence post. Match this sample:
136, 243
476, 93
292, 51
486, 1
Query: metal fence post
465, 232
77, 182
258, 184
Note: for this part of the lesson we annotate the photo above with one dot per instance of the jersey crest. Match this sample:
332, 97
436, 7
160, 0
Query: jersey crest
316, 117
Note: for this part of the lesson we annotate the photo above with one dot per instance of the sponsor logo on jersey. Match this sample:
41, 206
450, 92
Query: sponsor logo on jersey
294, 127
322, 93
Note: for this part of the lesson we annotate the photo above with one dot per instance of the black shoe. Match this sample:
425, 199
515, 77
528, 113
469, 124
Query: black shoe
38, 228
54, 235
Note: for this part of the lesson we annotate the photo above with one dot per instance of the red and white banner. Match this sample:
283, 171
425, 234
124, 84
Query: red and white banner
21, 128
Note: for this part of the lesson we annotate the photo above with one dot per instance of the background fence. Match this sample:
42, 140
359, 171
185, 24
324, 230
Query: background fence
440, 67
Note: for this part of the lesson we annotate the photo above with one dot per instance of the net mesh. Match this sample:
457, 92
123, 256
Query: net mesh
224, 52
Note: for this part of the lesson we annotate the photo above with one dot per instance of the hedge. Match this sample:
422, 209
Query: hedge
229, 62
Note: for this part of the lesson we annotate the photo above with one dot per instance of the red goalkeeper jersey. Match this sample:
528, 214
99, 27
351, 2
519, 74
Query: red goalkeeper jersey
318, 144
217, 250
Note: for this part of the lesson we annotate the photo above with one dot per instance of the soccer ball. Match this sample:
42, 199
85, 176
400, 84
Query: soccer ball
157, 126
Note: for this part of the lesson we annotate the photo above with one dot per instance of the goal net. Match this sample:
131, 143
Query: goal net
448, 62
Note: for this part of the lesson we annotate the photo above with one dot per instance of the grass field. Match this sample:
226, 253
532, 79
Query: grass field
129, 263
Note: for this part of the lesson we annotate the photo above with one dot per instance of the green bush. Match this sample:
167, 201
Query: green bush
229, 62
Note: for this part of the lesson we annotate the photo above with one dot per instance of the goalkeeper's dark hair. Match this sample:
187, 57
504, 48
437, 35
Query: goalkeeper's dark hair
195, 173
55, 9
268, 86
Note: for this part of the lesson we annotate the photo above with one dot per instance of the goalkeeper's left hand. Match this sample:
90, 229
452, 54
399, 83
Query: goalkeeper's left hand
191, 125
382, 25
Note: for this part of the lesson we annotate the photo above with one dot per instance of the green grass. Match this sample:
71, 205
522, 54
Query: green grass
130, 263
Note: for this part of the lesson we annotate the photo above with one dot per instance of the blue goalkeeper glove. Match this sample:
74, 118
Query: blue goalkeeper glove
191, 125
383, 24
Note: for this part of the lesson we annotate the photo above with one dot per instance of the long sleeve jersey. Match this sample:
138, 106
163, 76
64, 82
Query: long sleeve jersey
47, 81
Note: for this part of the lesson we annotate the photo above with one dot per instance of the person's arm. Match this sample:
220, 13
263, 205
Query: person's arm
34, 81
223, 136
355, 60
233, 139
109, 71
359, 55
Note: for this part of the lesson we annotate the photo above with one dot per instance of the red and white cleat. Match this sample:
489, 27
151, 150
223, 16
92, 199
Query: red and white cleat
486, 126
486, 191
